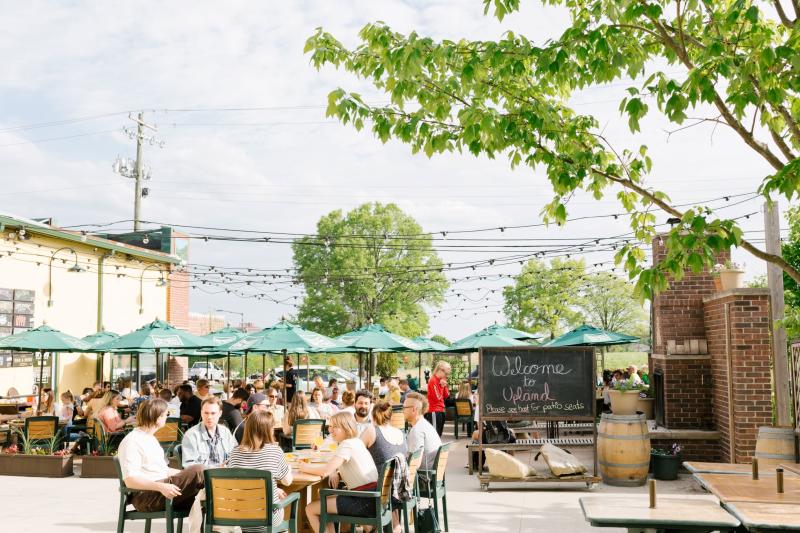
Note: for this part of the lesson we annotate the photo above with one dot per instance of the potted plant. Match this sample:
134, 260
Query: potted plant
731, 275
645, 405
715, 276
666, 462
35, 458
624, 395
98, 464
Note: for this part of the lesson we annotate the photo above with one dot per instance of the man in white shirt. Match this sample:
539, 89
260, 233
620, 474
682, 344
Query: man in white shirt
422, 434
209, 443
634, 375
363, 410
145, 469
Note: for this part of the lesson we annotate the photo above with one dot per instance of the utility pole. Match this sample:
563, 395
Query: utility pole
783, 393
135, 169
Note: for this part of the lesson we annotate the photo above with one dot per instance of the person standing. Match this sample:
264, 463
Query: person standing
437, 393
208, 443
290, 381
145, 469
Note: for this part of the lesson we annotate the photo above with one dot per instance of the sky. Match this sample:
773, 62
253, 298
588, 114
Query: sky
246, 143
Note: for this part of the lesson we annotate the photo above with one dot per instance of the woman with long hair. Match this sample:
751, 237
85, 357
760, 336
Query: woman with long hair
437, 393
259, 450
298, 410
108, 415
317, 402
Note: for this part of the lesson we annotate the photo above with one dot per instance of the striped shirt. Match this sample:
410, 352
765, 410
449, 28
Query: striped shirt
271, 458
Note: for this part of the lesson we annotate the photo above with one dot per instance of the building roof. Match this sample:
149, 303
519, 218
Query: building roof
38, 228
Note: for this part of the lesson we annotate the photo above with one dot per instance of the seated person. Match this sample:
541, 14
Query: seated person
190, 405
144, 467
173, 403
208, 443
232, 409
277, 410
422, 434
298, 410
353, 464
317, 402
109, 416
259, 450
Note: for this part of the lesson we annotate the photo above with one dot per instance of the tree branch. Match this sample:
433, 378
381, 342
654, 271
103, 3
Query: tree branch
782, 14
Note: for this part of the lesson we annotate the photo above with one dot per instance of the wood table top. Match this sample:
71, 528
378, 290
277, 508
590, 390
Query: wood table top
730, 488
670, 512
696, 467
760, 516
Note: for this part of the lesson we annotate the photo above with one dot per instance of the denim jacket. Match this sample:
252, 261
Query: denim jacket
196, 445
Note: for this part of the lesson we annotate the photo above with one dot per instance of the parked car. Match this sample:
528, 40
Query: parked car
212, 372
325, 372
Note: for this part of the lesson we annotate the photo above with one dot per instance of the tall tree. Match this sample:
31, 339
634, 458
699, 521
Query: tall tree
507, 97
608, 302
372, 262
545, 298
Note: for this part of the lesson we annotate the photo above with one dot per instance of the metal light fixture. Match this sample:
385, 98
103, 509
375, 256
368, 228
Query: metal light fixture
74, 268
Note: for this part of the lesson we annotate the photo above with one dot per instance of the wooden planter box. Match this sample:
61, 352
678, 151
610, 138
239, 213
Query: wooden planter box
35, 465
98, 466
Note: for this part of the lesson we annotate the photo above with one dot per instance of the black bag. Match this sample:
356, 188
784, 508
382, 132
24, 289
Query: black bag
497, 432
425, 521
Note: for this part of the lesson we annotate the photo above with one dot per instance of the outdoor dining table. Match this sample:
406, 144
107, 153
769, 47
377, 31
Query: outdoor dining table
763, 490
696, 514
696, 467
766, 516
307, 485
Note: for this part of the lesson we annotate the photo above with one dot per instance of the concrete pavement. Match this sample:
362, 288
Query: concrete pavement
75, 505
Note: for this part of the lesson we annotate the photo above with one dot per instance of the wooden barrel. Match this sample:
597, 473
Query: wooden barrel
775, 446
623, 450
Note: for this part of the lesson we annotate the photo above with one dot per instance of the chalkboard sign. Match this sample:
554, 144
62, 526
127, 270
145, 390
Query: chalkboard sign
535, 382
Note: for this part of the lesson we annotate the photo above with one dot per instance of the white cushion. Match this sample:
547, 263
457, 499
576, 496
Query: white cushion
504, 465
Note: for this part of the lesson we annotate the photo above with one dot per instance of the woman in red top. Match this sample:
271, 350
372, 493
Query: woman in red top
437, 392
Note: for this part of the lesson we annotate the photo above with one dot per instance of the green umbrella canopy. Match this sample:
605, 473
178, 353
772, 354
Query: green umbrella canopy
282, 336
591, 336
157, 335
484, 339
101, 337
43, 339
220, 337
430, 345
505, 331
375, 337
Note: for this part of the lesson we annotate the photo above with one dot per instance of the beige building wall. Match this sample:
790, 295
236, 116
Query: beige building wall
70, 302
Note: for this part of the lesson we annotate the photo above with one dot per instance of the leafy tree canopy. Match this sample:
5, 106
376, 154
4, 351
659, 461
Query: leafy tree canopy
607, 302
359, 266
545, 298
507, 98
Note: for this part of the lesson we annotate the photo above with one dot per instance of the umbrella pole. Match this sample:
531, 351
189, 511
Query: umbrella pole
263, 366
298, 369
308, 372
245, 368
130, 367
360, 366
228, 369
41, 383
419, 371
285, 380
369, 370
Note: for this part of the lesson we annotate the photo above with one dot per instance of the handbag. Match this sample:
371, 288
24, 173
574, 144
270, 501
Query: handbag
497, 433
425, 521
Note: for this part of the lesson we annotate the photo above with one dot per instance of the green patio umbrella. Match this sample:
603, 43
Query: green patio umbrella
157, 336
375, 338
283, 337
484, 339
96, 339
42, 339
587, 335
218, 338
428, 345
506, 331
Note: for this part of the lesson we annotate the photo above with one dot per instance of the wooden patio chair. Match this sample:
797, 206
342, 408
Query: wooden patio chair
125, 495
305, 431
169, 435
244, 497
465, 414
432, 482
382, 520
40, 428
398, 418
409, 507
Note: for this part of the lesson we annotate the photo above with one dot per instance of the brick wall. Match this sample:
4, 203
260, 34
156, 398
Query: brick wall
687, 390
704, 450
178, 296
678, 322
744, 336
